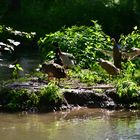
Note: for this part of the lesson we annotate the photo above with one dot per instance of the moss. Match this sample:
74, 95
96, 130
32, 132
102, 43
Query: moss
14, 98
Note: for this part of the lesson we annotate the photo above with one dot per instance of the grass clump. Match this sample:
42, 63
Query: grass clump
51, 92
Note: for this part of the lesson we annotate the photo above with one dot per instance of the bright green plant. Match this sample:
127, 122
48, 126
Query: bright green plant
83, 42
51, 92
17, 69
127, 88
128, 69
131, 40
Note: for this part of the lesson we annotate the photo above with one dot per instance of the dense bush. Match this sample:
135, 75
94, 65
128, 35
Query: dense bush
131, 40
15, 100
50, 93
82, 41
127, 88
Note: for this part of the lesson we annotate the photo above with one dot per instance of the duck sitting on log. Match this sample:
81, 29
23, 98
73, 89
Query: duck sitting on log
67, 58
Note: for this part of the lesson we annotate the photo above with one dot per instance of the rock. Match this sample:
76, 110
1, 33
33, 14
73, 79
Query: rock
88, 98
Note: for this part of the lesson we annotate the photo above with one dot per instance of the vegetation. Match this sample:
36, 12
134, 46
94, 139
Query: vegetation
73, 24
132, 39
15, 100
16, 70
82, 41
116, 16
128, 89
25, 99
51, 92
8, 32
85, 43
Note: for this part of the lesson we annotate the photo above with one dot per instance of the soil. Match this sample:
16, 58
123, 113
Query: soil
76, 94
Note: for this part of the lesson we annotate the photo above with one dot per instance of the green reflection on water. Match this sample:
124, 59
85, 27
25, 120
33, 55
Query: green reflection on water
83, 124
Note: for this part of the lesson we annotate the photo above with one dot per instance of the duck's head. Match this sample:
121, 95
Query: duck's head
113, 41
57, 50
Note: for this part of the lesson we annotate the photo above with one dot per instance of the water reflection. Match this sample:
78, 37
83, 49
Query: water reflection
29, 60
83, 124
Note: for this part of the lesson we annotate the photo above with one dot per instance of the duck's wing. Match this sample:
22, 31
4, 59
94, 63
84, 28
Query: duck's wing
135, 52
70, 56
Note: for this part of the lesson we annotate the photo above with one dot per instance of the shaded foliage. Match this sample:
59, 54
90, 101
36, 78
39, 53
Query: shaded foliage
131, 40
83, 42
19, 99
116, 16
78, 36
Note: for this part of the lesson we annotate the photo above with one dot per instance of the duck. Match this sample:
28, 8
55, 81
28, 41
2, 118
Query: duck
67, 58
117, 55
110, 68
126, 55
53, 70
132, 54
58, 59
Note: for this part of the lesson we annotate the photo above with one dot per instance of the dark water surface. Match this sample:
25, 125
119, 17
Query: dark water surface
28, 60
83, 124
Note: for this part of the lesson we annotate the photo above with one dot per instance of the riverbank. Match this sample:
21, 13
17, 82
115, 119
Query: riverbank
36, 95
87, 84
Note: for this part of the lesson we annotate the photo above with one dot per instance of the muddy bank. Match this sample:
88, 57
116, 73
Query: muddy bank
108, 98
28, 96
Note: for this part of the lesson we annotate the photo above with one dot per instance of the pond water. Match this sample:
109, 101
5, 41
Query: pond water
82, 124
28, 60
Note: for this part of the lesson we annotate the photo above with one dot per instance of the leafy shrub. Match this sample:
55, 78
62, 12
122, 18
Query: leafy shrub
19, 99
129, 69
127, 88
131, 40
25, 99
17, 68
50, 93
83, 42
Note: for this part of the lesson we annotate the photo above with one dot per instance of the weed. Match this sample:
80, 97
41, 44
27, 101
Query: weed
127, 88
51, 92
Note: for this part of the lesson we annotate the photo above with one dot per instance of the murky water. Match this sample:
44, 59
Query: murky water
83, 124
28, 60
